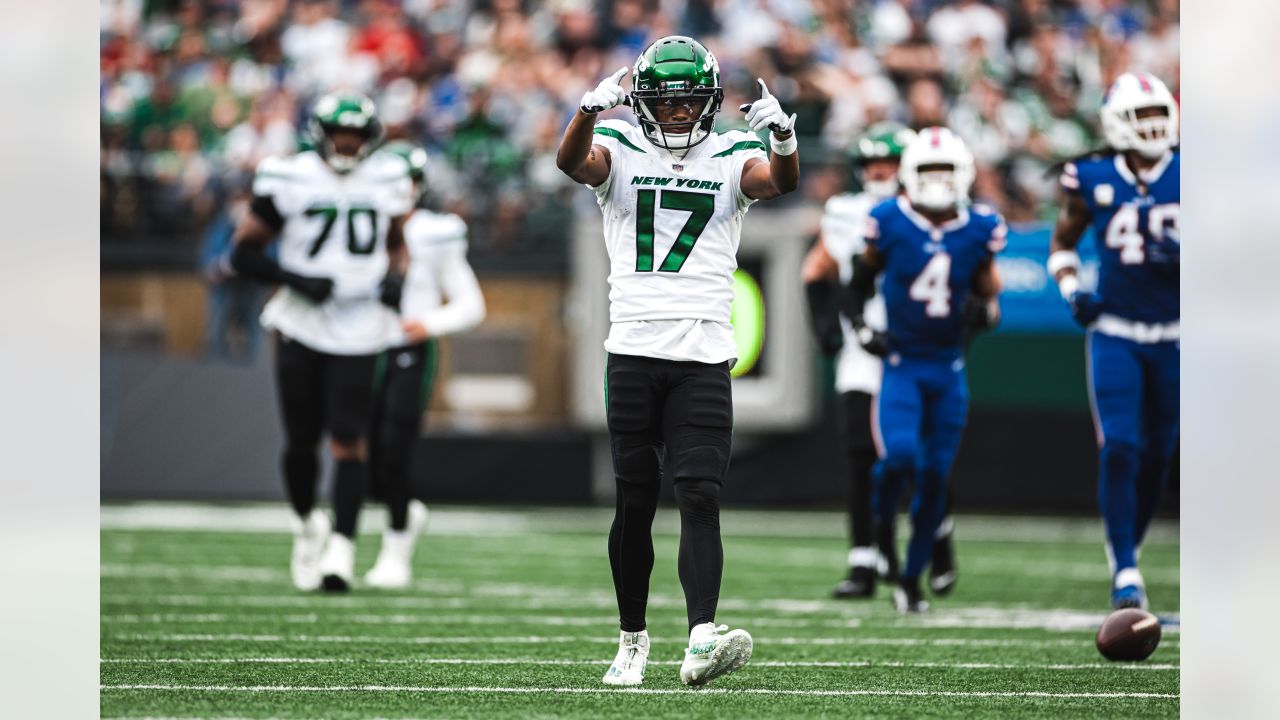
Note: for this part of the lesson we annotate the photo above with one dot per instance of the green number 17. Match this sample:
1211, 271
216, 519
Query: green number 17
700, 206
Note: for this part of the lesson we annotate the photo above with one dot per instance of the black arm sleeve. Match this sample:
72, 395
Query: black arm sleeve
251, 261
858, 291
824, 314
265, 208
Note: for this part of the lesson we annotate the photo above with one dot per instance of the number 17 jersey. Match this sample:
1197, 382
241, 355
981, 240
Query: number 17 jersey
672, 228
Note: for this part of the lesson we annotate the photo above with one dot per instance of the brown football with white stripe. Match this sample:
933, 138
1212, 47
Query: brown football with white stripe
1129, 634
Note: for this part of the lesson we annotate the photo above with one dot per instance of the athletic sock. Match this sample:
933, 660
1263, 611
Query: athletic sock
1117, 495
301, 470
631, 551
348, 493
701, 557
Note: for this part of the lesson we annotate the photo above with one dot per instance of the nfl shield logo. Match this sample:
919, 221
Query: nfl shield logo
677, 168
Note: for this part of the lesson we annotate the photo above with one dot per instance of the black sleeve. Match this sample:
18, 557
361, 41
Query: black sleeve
250, 260
265, 208
824, 314
858, 291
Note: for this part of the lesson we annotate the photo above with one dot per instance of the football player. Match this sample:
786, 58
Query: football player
674, 194
937, 256
438, 270
338, 212
1129, 195
876, 157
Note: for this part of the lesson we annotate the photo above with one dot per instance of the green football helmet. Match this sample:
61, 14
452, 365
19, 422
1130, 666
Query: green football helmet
415, 159
344, 111
671, 70
883, 141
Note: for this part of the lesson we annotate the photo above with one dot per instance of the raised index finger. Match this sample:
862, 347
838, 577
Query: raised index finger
764, 90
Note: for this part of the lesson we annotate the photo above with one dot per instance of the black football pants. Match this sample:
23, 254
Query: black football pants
318, 393
405, 378
860, 449
680, 414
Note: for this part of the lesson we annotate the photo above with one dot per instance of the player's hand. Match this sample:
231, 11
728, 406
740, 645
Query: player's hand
414, 331
608, 94
315, 289
391, 290
978, 316
766, 112
873, 341
1085, 307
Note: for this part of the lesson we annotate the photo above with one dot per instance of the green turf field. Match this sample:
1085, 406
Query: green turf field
513, 615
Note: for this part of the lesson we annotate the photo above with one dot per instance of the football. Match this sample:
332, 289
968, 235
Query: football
1128, 634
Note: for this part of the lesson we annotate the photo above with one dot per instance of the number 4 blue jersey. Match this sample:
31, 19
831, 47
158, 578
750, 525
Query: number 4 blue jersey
1135, 226
928, 272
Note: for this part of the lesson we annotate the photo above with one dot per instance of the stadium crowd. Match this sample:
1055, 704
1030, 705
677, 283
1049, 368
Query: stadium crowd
194, 94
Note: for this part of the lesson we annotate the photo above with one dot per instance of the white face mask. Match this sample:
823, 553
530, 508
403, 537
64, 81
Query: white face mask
936, 190
881, 188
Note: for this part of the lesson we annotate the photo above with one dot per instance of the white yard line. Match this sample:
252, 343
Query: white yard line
483, 521
400, 619
589, 663
634, 691
555, 639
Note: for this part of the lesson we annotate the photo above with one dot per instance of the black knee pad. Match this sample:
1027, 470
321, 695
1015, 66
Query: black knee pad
702, 461
635, 462
698, 496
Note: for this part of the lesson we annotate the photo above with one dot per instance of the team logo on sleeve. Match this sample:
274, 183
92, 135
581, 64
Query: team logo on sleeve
1104, 195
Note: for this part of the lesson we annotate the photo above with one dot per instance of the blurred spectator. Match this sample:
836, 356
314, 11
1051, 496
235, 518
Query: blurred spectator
194, 94
232, 331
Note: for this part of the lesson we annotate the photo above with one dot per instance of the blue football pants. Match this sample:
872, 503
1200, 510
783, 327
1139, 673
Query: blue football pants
921, 415
1134, 390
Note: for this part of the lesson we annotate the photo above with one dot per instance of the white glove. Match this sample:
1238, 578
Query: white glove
608, 94
766, 112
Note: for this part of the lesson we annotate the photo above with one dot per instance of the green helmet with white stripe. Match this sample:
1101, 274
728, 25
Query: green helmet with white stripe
344, 112
676, 71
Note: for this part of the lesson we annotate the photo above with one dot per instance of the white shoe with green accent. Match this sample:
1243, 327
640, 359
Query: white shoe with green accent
628, 666
711, 654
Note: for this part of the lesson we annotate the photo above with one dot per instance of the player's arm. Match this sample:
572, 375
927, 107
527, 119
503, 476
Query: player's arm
982, 309
249, 257
764, 180
577, 157
817, 272
861, 287
1064, 261
392, 287
464, 306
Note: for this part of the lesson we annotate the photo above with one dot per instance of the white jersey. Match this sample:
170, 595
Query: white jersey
672, 229
335, 226
843, 221
439, 271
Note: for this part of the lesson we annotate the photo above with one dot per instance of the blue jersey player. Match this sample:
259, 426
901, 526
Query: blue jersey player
936, 254
1130, 197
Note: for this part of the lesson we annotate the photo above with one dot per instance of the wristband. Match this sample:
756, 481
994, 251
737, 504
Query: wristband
1068, 286
1061, 260
782, 147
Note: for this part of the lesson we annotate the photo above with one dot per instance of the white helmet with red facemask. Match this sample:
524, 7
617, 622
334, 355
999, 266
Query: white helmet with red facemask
937, 170
1139, 113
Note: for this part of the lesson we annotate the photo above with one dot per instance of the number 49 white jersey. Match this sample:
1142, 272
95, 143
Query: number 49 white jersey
672, 228
335, 226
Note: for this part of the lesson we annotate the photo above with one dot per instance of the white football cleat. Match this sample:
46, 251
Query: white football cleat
711, 654
337, 565
309, 536
628, 667
394, 567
